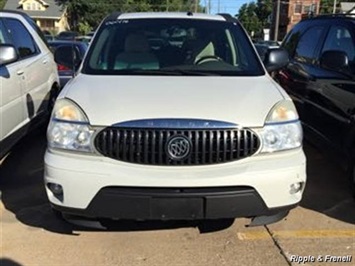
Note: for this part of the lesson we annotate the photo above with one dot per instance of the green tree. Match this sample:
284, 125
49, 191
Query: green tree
99, 9
91, 12
249, 18
255, 16
326, 6
76, 11
2, 4
175, 5
264, 11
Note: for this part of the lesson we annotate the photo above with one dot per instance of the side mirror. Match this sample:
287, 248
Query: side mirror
7, 54
275, 59
67, 56
334, 60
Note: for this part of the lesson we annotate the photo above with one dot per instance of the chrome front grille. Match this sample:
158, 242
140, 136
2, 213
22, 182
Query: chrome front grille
149, 145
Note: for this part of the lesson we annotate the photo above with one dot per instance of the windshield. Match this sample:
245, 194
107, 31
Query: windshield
171, 47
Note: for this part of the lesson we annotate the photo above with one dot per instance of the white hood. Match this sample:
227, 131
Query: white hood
108, 100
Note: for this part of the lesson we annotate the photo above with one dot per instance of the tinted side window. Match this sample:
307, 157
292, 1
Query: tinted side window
22, 39
36, 28
339, 38
291, 41
4, 37
308, 43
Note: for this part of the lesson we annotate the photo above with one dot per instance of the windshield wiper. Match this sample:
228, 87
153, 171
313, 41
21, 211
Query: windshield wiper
139, 71
167, 72
189, 72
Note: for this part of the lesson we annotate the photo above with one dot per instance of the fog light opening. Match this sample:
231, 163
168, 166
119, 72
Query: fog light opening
56, 189
296, 187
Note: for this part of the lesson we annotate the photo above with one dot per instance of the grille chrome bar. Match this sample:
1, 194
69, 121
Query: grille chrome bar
149, 146
176, 123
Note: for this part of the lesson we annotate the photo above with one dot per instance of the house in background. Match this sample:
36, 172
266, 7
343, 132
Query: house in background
347, 7
291, 12
47, 13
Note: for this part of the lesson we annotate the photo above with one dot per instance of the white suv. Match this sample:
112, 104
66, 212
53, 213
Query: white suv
173, 116
28, 77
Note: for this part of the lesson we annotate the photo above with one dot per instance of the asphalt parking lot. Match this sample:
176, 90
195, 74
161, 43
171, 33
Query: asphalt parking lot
321, 230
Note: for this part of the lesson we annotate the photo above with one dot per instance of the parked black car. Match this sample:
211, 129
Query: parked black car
261, 49
48, 35
67, 35
77, 48
269, 44
321, 80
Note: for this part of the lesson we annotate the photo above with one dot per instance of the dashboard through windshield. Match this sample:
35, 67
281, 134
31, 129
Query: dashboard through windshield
171, 47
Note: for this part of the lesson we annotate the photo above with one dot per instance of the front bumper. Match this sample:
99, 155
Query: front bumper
175, 204
101, 187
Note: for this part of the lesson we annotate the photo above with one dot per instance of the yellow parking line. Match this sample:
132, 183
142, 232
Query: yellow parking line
255, 235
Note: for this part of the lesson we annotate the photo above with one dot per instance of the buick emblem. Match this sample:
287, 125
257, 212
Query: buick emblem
178, 147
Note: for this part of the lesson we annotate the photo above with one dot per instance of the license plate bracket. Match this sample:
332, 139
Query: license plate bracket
177, 208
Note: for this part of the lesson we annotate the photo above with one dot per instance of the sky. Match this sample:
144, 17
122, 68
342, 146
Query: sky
225, 6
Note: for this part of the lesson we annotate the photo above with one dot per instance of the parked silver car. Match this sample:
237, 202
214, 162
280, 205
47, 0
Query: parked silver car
29, 80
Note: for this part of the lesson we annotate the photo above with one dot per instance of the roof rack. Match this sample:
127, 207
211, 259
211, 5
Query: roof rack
337, 15
228, 17
13, 12
113, 16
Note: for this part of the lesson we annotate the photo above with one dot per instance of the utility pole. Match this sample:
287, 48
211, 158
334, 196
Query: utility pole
277, 20
196, 5
334, 6
219, 6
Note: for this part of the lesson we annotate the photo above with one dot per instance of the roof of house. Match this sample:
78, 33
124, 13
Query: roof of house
347, 6
53, 10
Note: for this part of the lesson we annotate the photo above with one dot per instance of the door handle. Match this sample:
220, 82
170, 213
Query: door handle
45, 61
20, 72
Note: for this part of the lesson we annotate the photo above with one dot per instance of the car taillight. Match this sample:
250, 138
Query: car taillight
62, 68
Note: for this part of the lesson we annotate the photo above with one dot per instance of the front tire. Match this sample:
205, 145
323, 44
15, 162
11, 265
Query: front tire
52, 97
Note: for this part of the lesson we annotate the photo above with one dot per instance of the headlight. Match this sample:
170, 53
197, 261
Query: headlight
282, 130
69, 128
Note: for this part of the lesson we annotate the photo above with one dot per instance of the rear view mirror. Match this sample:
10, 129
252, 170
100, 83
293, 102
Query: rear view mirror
66, 56
275, 59
7, 54
334, 60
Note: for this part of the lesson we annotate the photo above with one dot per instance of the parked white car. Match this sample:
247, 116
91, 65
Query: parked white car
28, 77
195, 130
